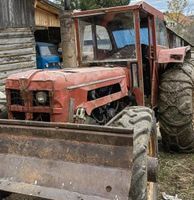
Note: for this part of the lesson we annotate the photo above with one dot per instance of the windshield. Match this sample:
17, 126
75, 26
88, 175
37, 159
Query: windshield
48, 50
107, 37
123, 37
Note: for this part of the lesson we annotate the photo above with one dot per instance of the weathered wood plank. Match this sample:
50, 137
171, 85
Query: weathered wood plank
15, 59
15, 35
4, 76
18, 13
16, 40
15, 46
2, 88
44, 18
18, 52
15, 30
14, 66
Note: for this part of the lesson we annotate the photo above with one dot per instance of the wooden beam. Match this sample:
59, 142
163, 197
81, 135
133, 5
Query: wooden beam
47, 7
35, 3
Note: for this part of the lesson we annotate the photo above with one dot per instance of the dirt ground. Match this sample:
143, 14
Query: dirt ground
176, 176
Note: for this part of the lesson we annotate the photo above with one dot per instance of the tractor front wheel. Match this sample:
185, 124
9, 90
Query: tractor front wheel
145, 150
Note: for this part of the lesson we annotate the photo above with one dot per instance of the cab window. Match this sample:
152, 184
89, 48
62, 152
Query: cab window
162, 36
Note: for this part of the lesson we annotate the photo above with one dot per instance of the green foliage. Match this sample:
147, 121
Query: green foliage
93, 4
111, 3
84, 4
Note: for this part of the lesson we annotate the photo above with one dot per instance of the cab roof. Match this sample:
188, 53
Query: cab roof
141, 5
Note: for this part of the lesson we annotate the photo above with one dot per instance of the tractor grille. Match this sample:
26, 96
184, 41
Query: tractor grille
45, 117
19, 115
16, 97
24, 106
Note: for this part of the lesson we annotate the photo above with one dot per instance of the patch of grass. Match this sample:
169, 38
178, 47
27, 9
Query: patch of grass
176, 175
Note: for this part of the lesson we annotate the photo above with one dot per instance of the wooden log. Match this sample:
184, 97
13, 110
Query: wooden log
2, 88
18, 52
17, 66
3, 77
16, 40
15, 59
4, 47
16, 35
15, 30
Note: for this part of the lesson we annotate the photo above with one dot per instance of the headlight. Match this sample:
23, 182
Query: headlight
47, 65
41, 97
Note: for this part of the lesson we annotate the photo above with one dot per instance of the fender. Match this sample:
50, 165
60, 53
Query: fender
175, 55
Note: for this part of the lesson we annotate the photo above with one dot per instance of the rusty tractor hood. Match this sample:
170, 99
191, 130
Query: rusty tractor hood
63, 79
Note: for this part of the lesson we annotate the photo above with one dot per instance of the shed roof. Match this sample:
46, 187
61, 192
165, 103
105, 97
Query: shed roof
47, 14
48, 5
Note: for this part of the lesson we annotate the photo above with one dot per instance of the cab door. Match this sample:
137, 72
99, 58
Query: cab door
152, 60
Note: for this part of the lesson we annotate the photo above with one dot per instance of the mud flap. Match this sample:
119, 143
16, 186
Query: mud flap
65, 161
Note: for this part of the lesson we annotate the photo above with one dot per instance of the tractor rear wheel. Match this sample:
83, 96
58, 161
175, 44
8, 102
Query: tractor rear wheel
176, 106
145, 150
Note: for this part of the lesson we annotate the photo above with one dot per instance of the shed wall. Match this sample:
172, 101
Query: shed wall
17, 52
16, 13
45, 18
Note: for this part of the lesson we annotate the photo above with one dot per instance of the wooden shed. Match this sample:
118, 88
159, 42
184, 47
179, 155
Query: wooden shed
22, 22
176, 40
47, 22
46, 14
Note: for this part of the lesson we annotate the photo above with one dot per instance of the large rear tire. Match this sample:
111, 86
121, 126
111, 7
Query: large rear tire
142, 120
176, 108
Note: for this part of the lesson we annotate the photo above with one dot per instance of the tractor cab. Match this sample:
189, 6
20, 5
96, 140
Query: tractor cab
126, 36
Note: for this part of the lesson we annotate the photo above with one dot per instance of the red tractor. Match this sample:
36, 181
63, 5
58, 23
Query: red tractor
123, 60
115, 59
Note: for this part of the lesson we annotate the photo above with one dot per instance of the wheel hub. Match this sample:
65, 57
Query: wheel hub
152, 169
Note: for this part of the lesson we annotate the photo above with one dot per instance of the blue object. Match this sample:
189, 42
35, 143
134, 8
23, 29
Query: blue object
47, 56
127, 37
